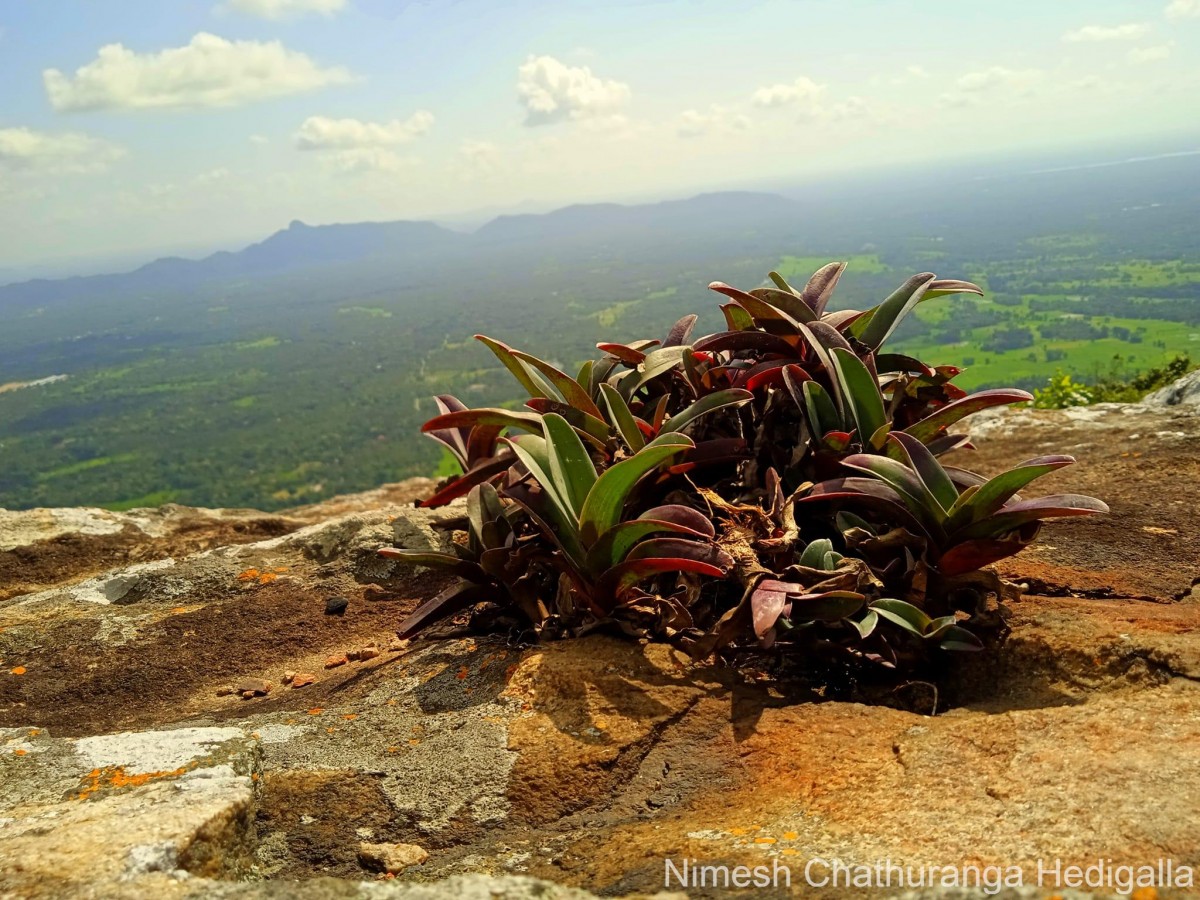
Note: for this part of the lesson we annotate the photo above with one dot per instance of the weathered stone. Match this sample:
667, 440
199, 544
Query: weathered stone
339, 659
255, 687
303, 679
368, 653
393, 858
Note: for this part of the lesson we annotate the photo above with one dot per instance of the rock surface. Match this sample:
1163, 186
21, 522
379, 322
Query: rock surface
579, 766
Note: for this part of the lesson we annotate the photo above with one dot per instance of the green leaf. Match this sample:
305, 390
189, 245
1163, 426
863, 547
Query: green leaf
958, 638
705, 405
877, 324
658, 362
570, 465
614, 545
622, 418
944, 287
906, 483
606, 501
933, 425
570, 389
903, 614
867, 625
534, 453
861, 393
814, 553
823, 416
937, 481
505, 354
995, 492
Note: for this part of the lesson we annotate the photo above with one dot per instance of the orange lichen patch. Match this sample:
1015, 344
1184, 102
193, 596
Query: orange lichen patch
19, 752
254, 776
116, 777
1146, 893
19, 670
267, 577
330, 730
414, 741
790, 835
281, 568
463, 673
249, 575
789, 851
350, 717
509, 672
316, 711
34, 732
738, 832
393, 749
764, 840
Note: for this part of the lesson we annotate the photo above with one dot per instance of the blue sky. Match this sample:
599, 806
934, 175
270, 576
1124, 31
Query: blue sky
132, 127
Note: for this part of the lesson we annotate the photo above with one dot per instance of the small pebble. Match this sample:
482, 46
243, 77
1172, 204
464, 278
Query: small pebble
303, 679
353, 654
255, 687
336, 606
375, 592
224, 691
334, 661
368, 653
288, 676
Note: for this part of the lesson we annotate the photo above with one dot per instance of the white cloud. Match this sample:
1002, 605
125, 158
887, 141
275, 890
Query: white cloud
1183, 9
322, 133
284, 9
259, 140
1141, 55
999, 77
360, 160
1130, 31
850, 109
63, 153
209, 71
554, 92
718, 119
995, 81
801, 90
478, 157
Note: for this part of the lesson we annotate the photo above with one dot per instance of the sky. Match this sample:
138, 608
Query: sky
129, 128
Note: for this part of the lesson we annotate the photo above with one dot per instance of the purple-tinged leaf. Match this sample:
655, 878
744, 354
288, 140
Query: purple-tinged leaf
469, 418
683, 516
1017, 514
449, 602
759, 341
936, 480
484, 470
681, 331
936, 423
821, 285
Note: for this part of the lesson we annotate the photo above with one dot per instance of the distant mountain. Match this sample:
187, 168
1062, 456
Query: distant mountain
724, 213
717, 217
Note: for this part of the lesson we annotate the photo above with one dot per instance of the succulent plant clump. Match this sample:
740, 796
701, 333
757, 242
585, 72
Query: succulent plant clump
774, 491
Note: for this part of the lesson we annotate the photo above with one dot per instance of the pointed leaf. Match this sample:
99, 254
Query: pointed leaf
622, 418
934, 424
447, 603
705, 405
504, 353
877, 324
937, 481
861, 393
570, 465
606, 501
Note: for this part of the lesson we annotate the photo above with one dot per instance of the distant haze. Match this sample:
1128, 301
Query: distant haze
147, 126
